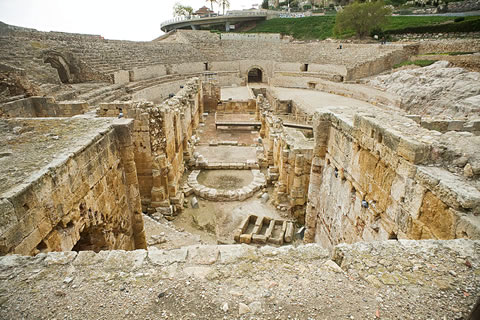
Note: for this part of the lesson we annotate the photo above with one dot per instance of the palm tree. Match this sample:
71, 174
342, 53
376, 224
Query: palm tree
224, 4
211, 3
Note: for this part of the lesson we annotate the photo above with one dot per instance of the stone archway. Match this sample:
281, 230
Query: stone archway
59, 63
255, 75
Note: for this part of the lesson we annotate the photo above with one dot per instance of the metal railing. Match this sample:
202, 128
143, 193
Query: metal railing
229, 14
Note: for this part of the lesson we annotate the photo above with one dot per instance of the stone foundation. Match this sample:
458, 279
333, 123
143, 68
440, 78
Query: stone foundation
84, 199
213, 194
162, 142
371, 183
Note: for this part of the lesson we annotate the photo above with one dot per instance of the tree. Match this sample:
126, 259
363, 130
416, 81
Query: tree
265, 4
181, 10
362, 18
211, 3
224, 4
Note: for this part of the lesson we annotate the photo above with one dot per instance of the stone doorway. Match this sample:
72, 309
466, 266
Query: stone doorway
255, 75
91, 239
62, 68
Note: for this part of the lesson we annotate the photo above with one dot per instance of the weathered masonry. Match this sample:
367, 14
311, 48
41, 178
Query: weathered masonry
81, 192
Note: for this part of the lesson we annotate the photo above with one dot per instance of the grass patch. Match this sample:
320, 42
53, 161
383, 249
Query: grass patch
321, 27
399, 24
459, 53
300, 28
420, 63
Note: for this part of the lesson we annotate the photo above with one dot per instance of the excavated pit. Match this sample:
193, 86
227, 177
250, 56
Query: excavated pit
225, 179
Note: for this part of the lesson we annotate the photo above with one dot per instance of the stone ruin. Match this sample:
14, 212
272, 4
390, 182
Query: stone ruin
101, 136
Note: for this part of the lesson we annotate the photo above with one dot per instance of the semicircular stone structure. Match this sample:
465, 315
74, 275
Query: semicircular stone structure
239, 194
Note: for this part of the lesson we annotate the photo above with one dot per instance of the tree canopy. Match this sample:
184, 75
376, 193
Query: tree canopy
362, 18
224, 4
181, 10
211, 3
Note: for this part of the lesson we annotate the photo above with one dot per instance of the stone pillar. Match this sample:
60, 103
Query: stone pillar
313, 195
227, 26
321, 128
160, 182
298, 193
123, 131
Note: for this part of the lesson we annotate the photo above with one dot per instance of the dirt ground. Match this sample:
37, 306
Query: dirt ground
214, 222
225, 179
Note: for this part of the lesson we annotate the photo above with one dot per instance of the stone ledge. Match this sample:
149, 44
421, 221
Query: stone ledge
190, 255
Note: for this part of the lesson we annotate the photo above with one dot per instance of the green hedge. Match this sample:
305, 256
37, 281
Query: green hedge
420, 63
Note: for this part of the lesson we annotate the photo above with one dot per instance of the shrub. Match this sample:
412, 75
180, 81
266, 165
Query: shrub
362, 18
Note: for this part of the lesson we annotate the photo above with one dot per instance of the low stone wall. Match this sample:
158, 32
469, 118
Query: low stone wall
452, 125
87, 199
248, 106
384, 61
288, 155
450, 45
41, 107
256, 37
213, 194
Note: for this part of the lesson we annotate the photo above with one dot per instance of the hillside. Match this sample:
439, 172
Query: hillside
321, 27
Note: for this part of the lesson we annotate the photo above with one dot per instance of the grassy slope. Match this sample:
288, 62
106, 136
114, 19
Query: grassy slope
300, 28
322, 27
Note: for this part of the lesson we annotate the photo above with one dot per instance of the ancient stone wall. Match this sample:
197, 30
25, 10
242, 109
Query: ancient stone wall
288, 155
162, 143
82, 58
256, 37
85, 200
41, 107
381, 62
451, 45
248, 106
368, 182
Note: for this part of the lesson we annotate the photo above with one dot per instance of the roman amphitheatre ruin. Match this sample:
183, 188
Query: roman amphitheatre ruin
237, 176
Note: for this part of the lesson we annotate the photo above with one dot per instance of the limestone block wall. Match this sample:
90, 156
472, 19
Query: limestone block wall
142, 73
162, 135
256, 37
121, 77
87, 200
382, 62
41, 107
248, 106
288, 155
472, 126
158, 93
450, 45
368, 182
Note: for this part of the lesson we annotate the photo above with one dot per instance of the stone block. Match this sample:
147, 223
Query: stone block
203, 255
246, 238
232, 253
60, 258
163, 257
